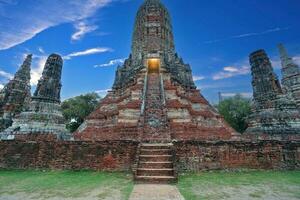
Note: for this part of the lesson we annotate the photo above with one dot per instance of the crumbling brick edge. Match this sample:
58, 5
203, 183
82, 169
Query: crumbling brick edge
120, 155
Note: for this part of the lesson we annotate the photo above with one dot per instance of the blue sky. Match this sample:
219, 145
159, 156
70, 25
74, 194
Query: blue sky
214, 36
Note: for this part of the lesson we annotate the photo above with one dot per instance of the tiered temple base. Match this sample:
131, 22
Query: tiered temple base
154, 108
41, 118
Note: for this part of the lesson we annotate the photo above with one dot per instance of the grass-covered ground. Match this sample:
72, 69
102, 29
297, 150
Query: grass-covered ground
267, 185
87, 185
56, 185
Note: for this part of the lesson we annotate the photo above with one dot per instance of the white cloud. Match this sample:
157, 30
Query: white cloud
41, 50
37, 69
82, 28
96, 50
244, 68
198, 78
232, 71
6, 75
243, 94
297, 59
102, 92
261, 33
19, 25
276, 63
216, 85
268, 31
112, 63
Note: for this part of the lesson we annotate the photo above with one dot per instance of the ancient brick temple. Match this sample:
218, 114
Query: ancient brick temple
154, 100
154, 121
154, 97
274, 109
43, 115
15, 96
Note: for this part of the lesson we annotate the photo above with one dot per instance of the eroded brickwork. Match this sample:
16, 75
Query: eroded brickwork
156, 119
15, 96
195, 155
50, 154
274, 111
43, 114
159, 105
290, 75
120, 155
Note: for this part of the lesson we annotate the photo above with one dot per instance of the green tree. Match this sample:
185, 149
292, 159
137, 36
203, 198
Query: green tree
235, 111
76, 109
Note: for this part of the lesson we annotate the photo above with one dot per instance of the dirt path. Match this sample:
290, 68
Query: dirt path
155, 192
97, 194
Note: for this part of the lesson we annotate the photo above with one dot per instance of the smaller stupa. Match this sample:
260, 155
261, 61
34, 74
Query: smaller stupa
15, 95
290, 75
274, 112
44, 115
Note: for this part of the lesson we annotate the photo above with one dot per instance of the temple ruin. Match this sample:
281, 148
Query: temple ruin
154, 97
155, 122
274, 109
15, 95
43, 115
290, 75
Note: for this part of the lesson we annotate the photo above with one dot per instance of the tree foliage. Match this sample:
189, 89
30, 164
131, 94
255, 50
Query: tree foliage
76, 109
235, 111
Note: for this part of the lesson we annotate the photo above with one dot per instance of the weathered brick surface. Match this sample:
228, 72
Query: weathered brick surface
112, 155
120, 155
196, 155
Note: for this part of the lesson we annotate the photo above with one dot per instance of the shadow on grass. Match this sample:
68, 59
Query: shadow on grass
240, 185
65, 184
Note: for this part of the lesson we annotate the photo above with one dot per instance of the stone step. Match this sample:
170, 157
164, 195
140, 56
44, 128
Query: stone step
155, 172
156, 145
155, 158
155, 179
156, 165
150, 148
155, 151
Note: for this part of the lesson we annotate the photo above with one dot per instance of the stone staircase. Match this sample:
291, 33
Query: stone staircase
155, 164
155, 117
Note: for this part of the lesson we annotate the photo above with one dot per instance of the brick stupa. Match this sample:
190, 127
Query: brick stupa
275, 110
43, 115
15, 95
154, 97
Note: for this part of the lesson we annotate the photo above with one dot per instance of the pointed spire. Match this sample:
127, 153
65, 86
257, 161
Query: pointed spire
290, 75
24, 72
49, 85
16, 94
22, 75
285, 59
266, 85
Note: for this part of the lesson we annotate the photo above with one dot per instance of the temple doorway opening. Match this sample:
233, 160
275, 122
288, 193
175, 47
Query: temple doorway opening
153, 65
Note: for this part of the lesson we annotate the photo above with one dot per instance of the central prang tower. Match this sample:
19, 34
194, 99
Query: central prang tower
154, 97
152, 31
153, 42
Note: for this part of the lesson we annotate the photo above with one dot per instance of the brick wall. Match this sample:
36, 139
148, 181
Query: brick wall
109, 155
196, 155
120, 155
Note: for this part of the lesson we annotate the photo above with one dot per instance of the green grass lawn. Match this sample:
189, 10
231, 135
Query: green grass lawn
241, 185
87, 185
64, 185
